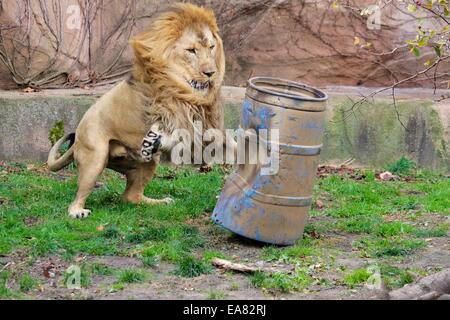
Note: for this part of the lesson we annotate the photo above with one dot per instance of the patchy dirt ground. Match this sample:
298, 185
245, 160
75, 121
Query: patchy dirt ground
401, 239
219, 284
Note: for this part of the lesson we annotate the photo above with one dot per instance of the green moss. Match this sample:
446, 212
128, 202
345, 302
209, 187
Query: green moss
373, 135
56, 133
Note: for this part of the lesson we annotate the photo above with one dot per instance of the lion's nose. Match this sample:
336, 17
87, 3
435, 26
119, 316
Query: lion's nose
209, 73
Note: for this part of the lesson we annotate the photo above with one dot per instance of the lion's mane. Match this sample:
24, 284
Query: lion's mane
171, 101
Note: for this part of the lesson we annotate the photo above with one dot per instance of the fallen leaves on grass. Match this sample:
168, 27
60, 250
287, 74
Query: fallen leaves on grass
10, 168
30, 221
313, 234
49, 270
319, 204
205, 169
325, 171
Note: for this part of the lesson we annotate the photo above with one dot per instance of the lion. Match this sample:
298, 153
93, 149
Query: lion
176, 78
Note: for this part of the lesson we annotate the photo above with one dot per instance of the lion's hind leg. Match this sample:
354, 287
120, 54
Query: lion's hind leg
90, 163
137, 180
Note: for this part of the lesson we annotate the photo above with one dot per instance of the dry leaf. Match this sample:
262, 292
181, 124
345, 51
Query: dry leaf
388, 176
319, 204
28, 90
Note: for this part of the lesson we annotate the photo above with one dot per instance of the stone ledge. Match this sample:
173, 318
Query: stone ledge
373, 136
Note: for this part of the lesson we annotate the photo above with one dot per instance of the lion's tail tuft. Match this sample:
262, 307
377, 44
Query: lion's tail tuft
55, 161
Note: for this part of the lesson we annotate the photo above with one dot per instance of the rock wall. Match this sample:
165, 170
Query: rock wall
78, 42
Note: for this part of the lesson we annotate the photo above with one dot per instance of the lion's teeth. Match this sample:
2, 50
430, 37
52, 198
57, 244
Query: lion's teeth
198, 85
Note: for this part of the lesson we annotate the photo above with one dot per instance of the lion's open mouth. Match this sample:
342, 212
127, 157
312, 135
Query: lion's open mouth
198, 85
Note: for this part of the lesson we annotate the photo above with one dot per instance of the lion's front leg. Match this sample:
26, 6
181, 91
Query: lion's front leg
156, 140
137, 180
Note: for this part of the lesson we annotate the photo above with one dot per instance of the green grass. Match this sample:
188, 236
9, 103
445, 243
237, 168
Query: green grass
395, 246
190, 267
71, 276
132, 276
216, 295
393, 229
351, 198
403, 166
27, 283
30, 194
385, 220
393, 277
357, 277
282, 282
209, 255
101, 269
5, 291
305, 247
439, 231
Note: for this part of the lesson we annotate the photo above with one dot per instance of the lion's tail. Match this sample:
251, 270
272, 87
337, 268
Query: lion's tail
56, 162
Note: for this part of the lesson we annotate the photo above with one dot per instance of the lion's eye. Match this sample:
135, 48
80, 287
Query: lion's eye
192, 51
212, 47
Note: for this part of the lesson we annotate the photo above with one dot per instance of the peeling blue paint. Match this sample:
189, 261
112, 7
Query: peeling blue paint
246, 113
264, 114
257, 235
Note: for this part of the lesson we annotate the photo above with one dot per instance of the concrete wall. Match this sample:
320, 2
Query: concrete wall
372, 135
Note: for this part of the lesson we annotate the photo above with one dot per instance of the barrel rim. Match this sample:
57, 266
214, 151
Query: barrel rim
321, 96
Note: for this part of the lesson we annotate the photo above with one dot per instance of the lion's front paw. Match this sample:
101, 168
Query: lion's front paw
150, 145
79, 213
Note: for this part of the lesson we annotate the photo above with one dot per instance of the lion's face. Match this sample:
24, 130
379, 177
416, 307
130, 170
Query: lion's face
182, 54
197, 58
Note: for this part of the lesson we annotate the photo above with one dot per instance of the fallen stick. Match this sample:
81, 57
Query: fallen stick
228, 265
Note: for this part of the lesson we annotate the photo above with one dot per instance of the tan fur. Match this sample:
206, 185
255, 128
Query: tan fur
158, 96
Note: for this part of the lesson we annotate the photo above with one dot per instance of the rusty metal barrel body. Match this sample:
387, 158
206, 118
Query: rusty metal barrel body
274, 208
